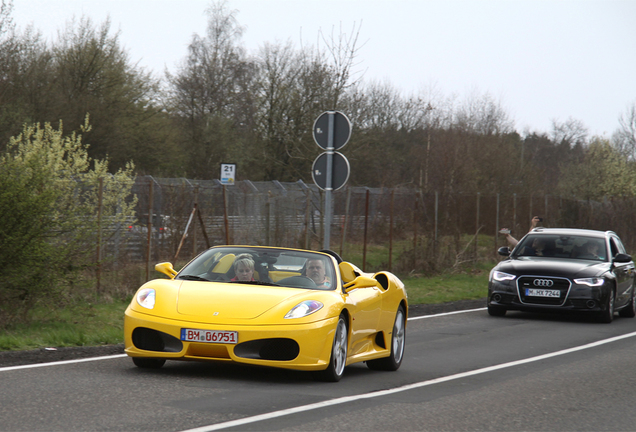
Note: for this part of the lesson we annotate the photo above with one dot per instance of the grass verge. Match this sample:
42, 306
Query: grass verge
83, 324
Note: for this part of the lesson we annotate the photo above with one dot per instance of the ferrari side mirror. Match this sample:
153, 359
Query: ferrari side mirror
362, 282
167, 269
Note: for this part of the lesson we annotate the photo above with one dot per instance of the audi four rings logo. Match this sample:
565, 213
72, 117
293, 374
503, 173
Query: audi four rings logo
543, 282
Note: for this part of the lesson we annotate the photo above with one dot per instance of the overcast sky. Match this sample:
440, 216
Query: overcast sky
542, 60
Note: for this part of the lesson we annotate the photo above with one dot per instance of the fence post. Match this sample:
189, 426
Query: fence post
477, 224
436, 221
307, 216
225, 217
100, 195
194, 229
344, 223
391, 231
497, 224
268, 218
415, 220
514, 212
366, 223
149, 241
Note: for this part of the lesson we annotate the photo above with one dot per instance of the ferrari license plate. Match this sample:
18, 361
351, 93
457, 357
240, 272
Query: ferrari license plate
533, 292
209, 336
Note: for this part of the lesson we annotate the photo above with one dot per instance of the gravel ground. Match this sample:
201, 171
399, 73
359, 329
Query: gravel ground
52, 354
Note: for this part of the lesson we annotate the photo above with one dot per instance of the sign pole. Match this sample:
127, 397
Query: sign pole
329, 186
330, 170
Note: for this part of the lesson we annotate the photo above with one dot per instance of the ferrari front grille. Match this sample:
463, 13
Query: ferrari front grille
153, 340
279, 349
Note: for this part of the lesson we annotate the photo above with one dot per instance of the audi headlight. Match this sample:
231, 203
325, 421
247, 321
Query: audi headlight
146, 298
303, 309
501, 276
593, 282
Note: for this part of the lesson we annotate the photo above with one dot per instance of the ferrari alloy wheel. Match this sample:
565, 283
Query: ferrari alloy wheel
629, 311
338, 360
607, 315
148, 363
398, 341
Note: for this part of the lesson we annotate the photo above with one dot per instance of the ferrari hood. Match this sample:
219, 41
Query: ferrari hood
232, 301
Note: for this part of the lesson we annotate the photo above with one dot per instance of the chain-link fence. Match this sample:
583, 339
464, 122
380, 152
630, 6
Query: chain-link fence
423, 229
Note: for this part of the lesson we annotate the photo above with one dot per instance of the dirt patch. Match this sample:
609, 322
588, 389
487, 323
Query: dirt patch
53, 354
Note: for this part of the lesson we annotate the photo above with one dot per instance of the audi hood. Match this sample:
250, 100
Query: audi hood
553, 267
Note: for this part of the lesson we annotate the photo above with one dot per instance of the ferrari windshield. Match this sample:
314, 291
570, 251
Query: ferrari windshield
262, 266
559, 246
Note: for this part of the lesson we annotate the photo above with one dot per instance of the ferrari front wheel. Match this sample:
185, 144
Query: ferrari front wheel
338, 360
398, 341
148, 363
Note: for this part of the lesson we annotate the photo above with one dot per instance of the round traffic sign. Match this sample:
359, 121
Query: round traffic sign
340, 171
341, 130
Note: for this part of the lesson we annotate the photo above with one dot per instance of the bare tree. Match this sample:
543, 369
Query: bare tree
6, 21
571, 132
343, 50
624, 139
211, 94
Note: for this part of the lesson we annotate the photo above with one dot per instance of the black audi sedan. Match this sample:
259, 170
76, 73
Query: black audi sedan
564, 269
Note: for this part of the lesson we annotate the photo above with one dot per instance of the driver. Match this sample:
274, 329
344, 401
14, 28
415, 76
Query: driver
316, 272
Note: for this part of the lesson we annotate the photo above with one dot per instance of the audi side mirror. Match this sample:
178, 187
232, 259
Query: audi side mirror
504, 251
622, 258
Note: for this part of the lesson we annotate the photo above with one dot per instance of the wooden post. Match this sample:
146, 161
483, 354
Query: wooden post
391, 231
194, 231
366, 224
205, 234
150, 216
100, 195
344, 223
477, 224
225, 217
415, 220
268, 219
307, 217
185, 233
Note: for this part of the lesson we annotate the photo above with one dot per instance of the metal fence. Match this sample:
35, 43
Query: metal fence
427, 227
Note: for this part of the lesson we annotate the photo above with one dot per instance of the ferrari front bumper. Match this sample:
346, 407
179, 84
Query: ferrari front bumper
290, 346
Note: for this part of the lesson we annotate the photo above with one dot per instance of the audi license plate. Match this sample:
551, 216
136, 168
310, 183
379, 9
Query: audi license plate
533, 292
209, 336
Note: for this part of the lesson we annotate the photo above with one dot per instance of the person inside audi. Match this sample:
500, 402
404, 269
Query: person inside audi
590, 250
315, 270
513, 241
539, 247
243, 268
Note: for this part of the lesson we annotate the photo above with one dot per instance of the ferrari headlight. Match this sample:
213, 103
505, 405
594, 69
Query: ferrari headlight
593, 282
303, 309
501, 276
146, 298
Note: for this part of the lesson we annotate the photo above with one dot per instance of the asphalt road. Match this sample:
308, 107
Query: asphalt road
463, 371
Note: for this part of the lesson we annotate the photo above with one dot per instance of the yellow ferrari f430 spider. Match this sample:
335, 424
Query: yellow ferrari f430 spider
285, 308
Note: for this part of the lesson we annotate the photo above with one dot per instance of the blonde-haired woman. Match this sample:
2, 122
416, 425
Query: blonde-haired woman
243, 268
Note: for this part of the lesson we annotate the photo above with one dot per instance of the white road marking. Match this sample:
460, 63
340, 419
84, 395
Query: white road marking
445, 313
338, 401
59, 363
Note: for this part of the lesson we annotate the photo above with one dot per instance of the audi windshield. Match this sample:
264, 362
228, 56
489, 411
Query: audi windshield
562, 246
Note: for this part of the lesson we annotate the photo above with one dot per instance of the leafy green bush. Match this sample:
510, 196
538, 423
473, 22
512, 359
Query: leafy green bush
48, 223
